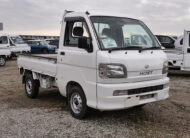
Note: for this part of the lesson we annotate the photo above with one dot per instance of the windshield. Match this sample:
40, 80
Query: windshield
17, 40
122, 33
44, 43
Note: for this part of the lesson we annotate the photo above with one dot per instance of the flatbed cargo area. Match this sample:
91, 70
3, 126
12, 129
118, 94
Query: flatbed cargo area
39, 63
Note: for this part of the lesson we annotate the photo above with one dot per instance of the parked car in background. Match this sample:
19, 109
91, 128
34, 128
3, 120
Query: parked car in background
53, 42
179, 58
166, 41
4, 53
41, 46
14, 43
174, 37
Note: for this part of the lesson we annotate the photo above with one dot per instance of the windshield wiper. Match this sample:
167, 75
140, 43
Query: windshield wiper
133, 48
150, 48
125, 48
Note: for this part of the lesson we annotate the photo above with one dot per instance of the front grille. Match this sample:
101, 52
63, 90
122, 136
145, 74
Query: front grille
145, 89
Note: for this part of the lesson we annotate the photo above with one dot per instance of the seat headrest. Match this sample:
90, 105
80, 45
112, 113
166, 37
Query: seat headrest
78, 31
106, 31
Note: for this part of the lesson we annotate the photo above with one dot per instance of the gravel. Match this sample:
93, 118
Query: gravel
48, 116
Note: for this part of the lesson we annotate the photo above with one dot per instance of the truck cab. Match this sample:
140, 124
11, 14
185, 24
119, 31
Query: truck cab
14, 43
104, 62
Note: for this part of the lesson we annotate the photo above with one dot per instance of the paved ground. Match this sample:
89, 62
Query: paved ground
48, 116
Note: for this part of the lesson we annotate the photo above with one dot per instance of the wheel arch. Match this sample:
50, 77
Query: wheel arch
71, 84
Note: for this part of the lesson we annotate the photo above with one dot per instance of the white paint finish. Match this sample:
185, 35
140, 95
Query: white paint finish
39, 65
106, 100
180, 57
175, 58
82, 67
5, 52
186, 49
78, 65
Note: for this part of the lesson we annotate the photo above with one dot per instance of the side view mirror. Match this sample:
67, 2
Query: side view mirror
85, 43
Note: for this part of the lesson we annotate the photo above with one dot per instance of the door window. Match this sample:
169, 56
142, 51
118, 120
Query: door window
74, 30
3, 40
164, 39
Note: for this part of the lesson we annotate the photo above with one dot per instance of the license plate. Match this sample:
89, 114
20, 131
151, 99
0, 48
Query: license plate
149, 72
146, 96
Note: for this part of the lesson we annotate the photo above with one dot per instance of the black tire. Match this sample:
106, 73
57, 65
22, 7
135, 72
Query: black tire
31, 87
2, 61
10, 57
76, 98
45, 51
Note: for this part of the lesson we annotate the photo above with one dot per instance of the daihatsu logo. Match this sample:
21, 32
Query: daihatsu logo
146, 66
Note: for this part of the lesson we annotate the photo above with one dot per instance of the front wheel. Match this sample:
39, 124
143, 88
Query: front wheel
31, 87
77, 102
2, 61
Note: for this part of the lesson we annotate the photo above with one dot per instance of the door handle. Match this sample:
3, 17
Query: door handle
62, 53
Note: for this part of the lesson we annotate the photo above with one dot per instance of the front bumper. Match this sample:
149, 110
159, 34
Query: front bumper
106, 100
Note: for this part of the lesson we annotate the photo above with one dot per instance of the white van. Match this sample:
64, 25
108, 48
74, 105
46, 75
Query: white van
14, 43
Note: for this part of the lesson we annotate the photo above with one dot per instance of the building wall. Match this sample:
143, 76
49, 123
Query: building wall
38, 37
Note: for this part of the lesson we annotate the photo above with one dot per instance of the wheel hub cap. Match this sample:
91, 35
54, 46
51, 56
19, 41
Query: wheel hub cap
2, 61
29, 86
76, 103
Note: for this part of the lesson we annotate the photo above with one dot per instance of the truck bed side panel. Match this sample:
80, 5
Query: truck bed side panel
43, 65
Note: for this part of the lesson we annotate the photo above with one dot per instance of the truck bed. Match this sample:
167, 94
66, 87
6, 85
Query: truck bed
39, 63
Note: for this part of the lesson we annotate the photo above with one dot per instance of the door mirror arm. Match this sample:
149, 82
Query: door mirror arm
85, 43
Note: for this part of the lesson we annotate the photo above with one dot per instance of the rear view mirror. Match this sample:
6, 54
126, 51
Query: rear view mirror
85, 43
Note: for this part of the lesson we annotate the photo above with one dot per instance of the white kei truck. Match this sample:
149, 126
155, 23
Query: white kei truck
14, 43
103, 62
4, 53
179, 59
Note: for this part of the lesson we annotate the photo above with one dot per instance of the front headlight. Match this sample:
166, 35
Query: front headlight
112, 71
165, 68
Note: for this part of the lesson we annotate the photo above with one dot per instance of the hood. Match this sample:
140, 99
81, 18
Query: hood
143, 66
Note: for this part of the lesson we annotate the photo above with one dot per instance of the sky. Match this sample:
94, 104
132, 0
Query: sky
42, 17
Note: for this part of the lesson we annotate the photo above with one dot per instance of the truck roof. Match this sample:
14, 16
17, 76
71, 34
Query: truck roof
110, 14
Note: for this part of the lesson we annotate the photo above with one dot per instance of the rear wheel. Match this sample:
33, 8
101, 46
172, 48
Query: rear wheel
2, 61
31, 87
77, 102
